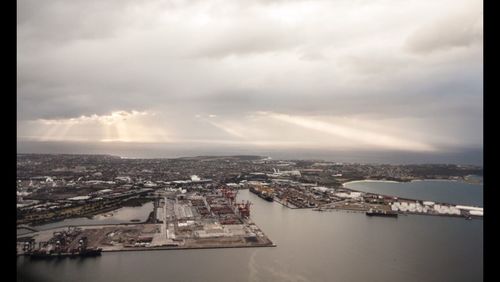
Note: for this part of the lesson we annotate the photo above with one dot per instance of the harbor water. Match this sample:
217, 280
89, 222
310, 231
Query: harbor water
452, 192
311, 246
121, 215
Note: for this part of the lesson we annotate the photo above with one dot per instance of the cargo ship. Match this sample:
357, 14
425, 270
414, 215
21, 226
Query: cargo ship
266, 196
381, 213
262, 194
90, 252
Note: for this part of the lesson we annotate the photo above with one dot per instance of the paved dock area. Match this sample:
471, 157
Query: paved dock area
182, 222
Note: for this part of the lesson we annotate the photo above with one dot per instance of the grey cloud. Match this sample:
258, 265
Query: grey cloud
66, 20
249, 37
82, 58
370, 64
246, 43
458, 30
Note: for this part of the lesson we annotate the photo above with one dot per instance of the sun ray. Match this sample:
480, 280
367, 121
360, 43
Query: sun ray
63, 131
49, 133
362, 136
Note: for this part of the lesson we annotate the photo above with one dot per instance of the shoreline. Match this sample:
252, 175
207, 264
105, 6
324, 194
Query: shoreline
401, 213
89, 217
401, 197
146, 221
413, 180
166, 248
97, 225
188, 248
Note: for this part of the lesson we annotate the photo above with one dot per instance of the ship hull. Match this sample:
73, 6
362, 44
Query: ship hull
381, 214
268, 198
262, 196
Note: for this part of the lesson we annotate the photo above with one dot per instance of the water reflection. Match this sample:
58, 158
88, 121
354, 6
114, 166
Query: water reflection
311, 246
121, 215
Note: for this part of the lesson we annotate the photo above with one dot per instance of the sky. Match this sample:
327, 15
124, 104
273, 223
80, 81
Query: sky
398, 75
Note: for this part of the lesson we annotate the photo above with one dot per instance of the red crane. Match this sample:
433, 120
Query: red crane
244, 209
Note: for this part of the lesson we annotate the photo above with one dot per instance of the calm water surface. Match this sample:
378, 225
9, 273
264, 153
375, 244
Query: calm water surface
312, 246
452, 192
121, 215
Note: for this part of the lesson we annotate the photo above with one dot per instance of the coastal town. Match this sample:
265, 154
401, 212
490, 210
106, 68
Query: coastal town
195, 201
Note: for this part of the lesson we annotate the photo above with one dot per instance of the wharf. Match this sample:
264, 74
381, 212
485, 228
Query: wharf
163, 248
290, 206
212, 221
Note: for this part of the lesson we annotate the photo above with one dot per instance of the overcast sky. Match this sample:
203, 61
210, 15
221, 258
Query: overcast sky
394, 74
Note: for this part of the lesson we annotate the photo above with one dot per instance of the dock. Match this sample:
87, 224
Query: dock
192, 221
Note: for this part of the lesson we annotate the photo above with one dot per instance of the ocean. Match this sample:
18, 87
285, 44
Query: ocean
467, 156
